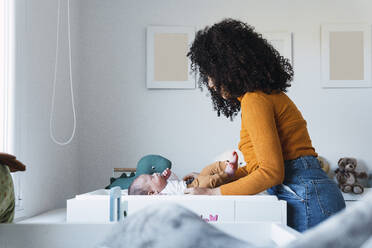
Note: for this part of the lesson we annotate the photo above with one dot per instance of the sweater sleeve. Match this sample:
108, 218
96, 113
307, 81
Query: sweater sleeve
259, 120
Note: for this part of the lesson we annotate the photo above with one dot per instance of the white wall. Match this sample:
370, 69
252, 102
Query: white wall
52, 171
120, 120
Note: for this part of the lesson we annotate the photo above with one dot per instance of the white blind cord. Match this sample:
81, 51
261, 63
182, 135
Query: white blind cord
62, 143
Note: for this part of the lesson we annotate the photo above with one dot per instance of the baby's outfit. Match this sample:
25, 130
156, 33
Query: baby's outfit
211, 176
174, 187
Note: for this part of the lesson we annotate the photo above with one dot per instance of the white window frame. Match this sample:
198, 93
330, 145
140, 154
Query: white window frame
7, 90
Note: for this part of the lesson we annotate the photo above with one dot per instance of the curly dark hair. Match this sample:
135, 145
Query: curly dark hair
237, 60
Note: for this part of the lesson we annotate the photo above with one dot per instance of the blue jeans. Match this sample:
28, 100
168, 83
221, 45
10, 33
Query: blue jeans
310, 195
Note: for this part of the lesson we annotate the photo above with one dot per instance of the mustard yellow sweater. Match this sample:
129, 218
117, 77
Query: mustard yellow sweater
272, 130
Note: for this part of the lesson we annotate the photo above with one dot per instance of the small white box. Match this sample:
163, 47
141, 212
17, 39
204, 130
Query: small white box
92, 207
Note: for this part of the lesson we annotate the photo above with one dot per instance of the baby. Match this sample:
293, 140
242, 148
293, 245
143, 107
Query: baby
212, 176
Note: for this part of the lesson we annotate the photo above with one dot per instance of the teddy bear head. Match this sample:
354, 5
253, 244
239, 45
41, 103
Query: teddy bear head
347, 164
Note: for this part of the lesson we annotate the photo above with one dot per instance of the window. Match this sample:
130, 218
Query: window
7, 111
2, 75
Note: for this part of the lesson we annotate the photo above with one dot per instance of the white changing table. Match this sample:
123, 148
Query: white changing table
94, 207
259, 220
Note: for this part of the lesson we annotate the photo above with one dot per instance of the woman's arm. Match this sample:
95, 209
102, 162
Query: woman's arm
258, 120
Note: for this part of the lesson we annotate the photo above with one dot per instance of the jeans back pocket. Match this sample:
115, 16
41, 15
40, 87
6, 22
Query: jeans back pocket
329, 196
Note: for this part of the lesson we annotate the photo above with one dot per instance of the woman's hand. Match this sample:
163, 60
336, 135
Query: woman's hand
191, 175
202, 191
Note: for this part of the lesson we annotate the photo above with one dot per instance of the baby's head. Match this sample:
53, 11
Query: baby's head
147, 184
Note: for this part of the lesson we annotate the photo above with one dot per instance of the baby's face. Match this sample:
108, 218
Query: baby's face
155, 182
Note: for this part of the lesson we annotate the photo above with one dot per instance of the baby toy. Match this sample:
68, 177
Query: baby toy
148, 164
347, 177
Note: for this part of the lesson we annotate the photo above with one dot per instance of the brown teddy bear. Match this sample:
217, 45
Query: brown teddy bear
323, 164
347, 177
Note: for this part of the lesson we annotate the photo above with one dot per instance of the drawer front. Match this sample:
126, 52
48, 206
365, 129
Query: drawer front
269, 211
210, 210
88, 211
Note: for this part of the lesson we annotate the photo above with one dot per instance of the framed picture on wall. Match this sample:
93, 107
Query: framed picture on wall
346, 55
168, 67
282, 42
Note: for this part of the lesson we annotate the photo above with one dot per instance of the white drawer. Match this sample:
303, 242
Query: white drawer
246, 211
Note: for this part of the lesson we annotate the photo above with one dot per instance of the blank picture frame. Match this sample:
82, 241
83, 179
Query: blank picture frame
346, 55
282, 42
168, 67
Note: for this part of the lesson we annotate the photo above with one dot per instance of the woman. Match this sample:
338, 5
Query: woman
244, 72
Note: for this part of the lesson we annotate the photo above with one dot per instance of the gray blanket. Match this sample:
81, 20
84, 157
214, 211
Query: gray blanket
173, 226
169, 226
